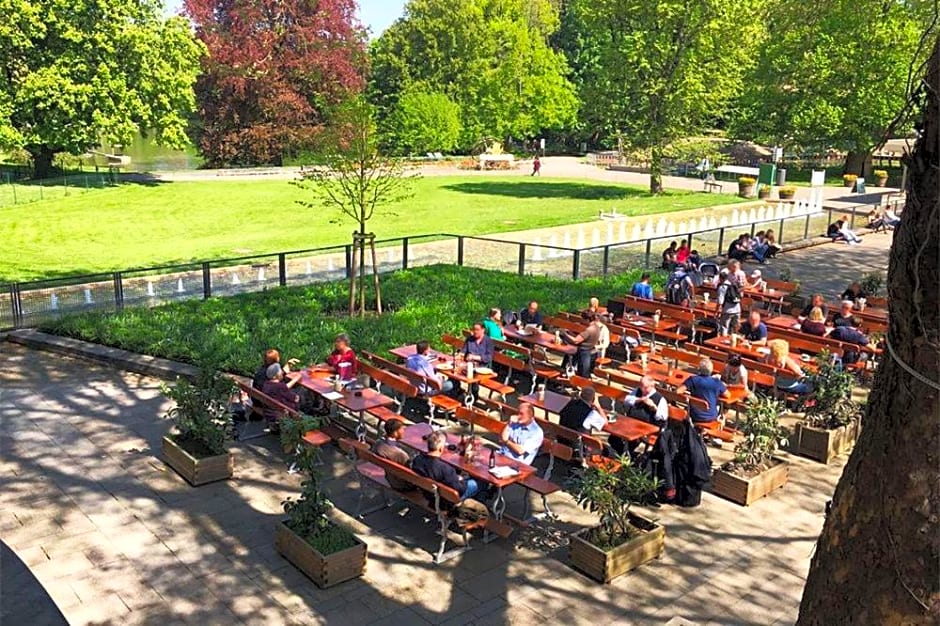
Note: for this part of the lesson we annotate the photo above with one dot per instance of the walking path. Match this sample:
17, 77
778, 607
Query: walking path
114, 537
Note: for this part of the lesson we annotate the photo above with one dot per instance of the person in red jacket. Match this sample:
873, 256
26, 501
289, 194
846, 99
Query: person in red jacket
343, 360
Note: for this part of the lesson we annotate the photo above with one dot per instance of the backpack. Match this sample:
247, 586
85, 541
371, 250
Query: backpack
733, 293
677, 288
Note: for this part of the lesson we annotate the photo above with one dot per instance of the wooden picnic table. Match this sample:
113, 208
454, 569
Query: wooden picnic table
415, 437
541, 338
660, 372
353, 400
645, 323
445, 364
627, 428
785, 322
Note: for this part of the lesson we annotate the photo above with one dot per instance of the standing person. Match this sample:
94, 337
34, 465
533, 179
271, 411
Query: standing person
706, 387
494, 324
680, 288
343, 360
729, 303
642, 289
522, 438
536, 166
586, 341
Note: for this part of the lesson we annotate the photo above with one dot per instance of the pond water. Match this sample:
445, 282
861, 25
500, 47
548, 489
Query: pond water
147, 156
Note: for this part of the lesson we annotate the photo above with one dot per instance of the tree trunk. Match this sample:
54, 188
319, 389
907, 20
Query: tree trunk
878, 558
858, 163
353, 276
375, 277
656, 170
42, 160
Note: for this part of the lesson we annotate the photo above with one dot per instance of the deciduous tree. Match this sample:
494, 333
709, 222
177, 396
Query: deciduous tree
878, 558
274, 67
75, 73
424, 121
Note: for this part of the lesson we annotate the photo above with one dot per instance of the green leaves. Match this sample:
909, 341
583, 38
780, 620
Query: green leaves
762, 433
832, 394
201, 410
425, 121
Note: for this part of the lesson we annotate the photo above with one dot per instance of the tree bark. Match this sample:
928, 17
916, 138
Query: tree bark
858, 163
42, 160
878, 557
656, 170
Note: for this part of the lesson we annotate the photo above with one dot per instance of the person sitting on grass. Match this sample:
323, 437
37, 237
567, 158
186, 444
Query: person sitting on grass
277, 389
738, 250
430, 465
669, 256
493, 324
420, 363
772, 248
531, 315
705, 386
343, 360
642, 289
815, 323
270, 357
522, 438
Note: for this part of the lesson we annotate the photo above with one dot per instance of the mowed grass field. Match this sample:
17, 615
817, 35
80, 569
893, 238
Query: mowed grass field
139, 225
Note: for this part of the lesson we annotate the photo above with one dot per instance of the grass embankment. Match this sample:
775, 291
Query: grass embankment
137, 225
302, 321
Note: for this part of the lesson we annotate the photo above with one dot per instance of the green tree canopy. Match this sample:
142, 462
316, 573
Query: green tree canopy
424, 121
836, 75
654, 71
76, 73
491, 57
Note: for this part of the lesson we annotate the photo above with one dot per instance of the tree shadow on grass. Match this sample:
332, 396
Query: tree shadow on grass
547, 189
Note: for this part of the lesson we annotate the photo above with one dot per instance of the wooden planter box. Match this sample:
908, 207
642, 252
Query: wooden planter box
744, 491
823, 445
198, 471
325, 571
605, 566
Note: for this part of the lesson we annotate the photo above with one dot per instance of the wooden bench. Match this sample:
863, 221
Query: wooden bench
714, 428
374, 471
651, 306
491, 384
436, 400
314, 438
397, 387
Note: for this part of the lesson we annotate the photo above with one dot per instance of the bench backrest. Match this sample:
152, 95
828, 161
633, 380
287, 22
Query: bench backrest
414, 378
453, 341
812, 345
480, 420
560, 434
614, 393
262, 398
406, 474
501, 358
684, 400
682, 356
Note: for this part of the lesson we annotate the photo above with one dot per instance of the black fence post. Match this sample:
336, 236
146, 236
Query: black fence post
118, 291
460, 250
606, 259
576, 265
780, 230
649, 248
753, 228
806, 228
206, 282
689, 236
282, 269
348, 261
521, 259
404, 253
721, 240
16, 305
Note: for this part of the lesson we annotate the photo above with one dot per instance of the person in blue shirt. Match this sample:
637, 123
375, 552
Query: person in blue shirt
430, 465
522, 438
754, 330
643, 289
706, 387
478, 347
420, 363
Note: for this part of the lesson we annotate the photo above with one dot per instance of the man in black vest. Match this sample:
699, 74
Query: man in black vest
585, 414
647, 404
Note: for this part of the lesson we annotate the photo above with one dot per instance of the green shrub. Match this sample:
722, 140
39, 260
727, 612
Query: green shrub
201, 412
763, 434
301, 322
746, 180
880, 173
832, 395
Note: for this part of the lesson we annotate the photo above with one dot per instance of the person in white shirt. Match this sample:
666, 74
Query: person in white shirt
647, 404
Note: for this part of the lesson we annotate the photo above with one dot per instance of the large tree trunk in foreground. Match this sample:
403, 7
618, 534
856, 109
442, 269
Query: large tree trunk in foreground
878, 558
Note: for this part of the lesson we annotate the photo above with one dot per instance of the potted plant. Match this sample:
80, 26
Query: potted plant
764, 192
293, 430
755, 471
746, 186
787, 192
623, 540
849, 180
832, 420
881, 178
197, 448
327, 552
871, 283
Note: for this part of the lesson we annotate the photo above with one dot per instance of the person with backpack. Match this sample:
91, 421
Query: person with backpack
680, 289
729, 303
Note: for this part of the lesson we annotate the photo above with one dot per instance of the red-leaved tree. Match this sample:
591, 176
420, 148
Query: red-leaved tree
273, 68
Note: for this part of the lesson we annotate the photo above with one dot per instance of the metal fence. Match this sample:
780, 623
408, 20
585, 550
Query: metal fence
26, 304
15, 189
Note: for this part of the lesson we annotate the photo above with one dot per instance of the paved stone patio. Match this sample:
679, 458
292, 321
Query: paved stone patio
114, 536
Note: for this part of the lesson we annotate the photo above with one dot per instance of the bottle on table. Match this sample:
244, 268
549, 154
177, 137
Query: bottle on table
492, 461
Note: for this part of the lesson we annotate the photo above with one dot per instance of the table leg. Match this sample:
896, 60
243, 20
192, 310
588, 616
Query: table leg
361, 427
499, 504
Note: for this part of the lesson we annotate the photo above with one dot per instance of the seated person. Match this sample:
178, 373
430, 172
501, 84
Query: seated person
753, 329
494, 324
772, 248
343, 360
834, 231
755, 281
669, 256
531, 315
430, 465
844, 317
853, 292
734, 373
695, 259
647, 404
390, 448
704, 386
756, 247
277, 389
682, 253
790, 377
420, 363
816, 302
850, 237
584, 413
522, 438
739, 249
642, 289
854, 336
271, 356
594, 308
478, 347
891, 218
815, 323
876, 220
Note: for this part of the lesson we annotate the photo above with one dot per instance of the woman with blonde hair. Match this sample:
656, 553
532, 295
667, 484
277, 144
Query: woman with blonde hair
790, 377
815, 323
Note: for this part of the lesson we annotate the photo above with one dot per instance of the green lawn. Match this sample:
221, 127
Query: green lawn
302, 321
139, 225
